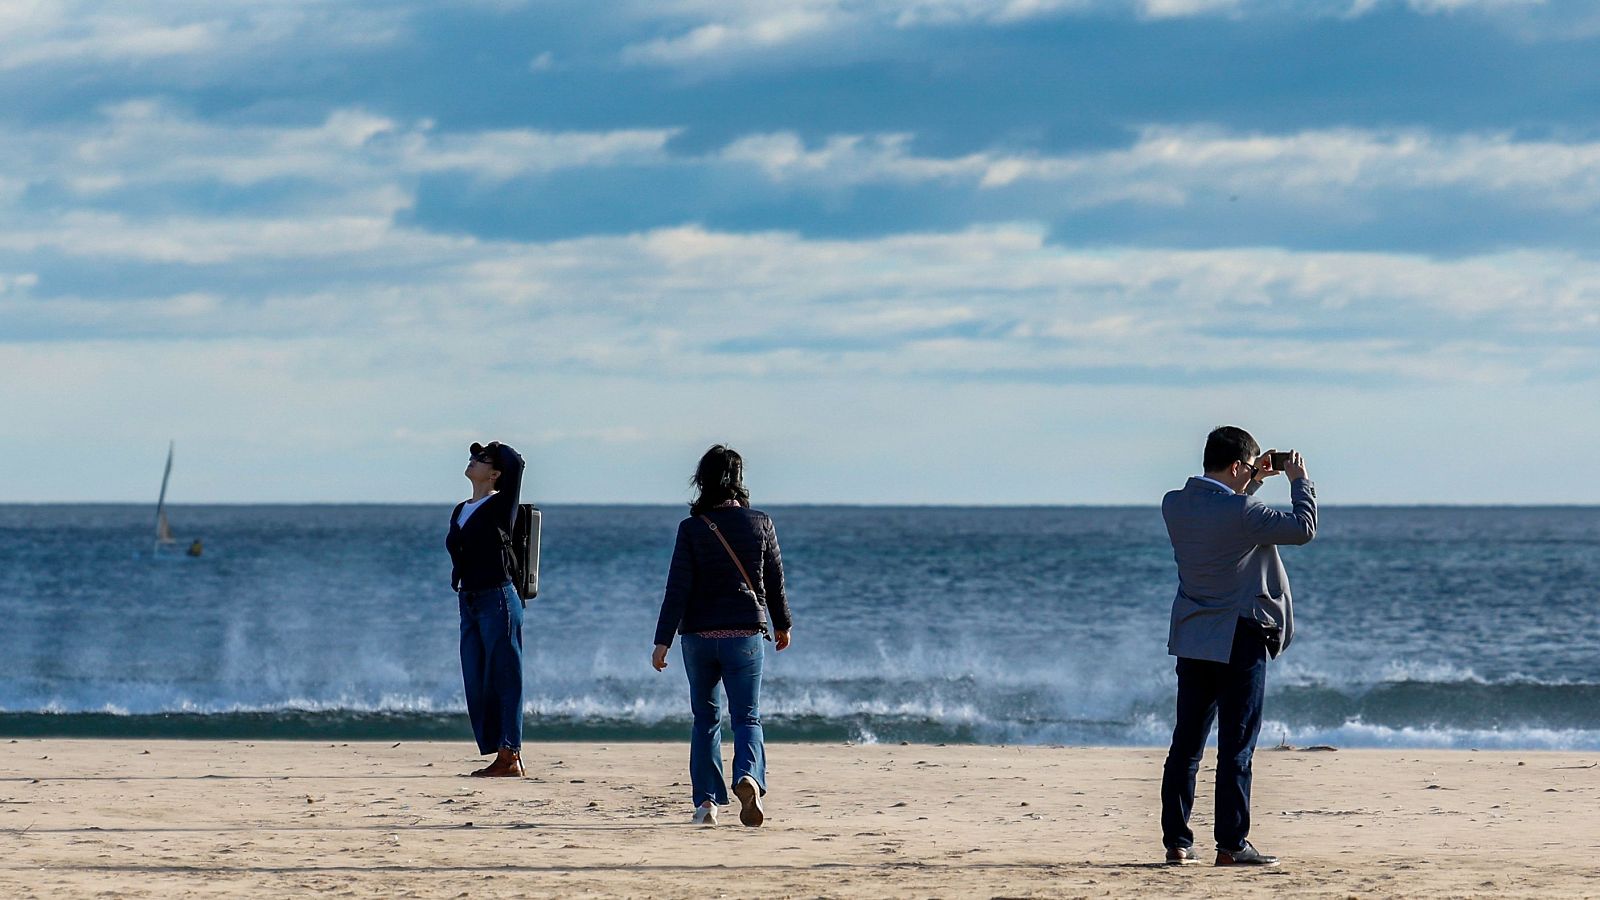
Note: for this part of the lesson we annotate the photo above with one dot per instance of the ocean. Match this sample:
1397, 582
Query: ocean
1416, 627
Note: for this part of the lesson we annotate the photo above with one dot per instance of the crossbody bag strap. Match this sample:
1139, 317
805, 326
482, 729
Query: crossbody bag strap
731, 555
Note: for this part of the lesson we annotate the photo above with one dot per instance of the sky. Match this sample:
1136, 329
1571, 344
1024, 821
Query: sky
895, 251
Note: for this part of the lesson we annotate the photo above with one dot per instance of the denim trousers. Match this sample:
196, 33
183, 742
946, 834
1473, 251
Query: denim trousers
491, 666
735, 663
1231, 695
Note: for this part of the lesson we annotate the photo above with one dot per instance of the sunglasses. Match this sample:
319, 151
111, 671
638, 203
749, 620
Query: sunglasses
484, 458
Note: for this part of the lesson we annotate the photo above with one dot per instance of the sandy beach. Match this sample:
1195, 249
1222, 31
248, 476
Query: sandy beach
225, 819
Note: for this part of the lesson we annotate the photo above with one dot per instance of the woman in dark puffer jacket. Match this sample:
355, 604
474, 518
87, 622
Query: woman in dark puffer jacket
724, 593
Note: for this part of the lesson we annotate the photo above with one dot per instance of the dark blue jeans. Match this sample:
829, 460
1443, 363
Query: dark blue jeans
1230, 694
736, 663
491, 666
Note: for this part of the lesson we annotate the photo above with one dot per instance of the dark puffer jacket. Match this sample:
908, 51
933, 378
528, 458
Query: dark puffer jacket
703, 586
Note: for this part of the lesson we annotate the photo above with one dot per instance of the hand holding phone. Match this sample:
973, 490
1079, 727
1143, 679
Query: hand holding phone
1264, 467
1295, 466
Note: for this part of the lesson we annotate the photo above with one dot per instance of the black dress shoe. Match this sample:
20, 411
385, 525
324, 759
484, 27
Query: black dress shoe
1247, 856
1182, 856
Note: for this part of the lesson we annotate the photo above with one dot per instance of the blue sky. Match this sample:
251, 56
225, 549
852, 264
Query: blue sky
909, 251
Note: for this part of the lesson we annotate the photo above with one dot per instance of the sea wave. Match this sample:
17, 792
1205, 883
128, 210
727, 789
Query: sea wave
1405, 713
300, 724
1364, 734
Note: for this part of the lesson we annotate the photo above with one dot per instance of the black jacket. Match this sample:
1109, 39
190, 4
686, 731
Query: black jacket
703, 586
478, 549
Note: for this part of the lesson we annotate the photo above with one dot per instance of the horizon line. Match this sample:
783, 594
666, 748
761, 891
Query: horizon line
801, 505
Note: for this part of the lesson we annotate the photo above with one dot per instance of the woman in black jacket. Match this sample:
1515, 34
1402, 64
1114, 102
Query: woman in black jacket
724, 592
491, 611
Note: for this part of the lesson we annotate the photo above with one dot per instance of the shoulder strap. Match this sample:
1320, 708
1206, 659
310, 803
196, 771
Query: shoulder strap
729, 547
508, 547
455, 577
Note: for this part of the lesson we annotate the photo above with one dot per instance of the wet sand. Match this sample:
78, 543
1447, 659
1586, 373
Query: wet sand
235, 819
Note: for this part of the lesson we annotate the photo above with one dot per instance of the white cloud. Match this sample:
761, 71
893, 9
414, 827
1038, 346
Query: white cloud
351, 174
1183, 9
701, 31
232, 34
146, 142
747, 30
220, 32
774, 26
115, 41
912, 13
46, 31
846, 159
503, 154
681, 302
198, 240
1450, 6
1167, 166
18, 283
629, 352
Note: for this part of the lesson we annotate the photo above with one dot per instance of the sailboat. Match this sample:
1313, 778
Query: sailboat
164, 536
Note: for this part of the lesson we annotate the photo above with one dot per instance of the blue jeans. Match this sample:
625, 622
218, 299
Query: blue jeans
491, 666
1231, 694
736, 663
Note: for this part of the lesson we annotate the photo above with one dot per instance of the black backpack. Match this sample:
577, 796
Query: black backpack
522, 551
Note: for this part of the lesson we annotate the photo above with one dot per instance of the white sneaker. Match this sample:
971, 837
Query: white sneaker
705, 813
749, 794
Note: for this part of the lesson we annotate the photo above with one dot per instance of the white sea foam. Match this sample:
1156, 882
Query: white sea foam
1360, 734
870, 720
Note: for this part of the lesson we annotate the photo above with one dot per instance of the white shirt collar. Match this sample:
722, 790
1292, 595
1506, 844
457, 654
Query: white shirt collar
471, 506
1217, 483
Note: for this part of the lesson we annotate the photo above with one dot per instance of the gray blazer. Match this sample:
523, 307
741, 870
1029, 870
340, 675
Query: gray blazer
1228, 565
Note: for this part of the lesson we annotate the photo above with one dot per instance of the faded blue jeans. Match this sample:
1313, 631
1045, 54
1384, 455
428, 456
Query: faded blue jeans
491, 666
736, 663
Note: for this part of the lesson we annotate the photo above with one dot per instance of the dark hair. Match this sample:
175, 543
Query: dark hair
1227, 445
718, 479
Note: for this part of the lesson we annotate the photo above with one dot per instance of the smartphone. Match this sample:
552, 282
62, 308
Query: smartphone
1280, 459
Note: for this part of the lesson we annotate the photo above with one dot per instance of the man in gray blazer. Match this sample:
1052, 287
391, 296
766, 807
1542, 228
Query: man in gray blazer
1231, 614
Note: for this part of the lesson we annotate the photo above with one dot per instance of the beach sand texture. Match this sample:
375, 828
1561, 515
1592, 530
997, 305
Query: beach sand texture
227, 819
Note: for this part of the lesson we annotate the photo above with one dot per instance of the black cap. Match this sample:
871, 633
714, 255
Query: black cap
504, 457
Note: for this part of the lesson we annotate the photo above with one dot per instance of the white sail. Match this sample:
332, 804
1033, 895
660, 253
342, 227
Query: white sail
164, 530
